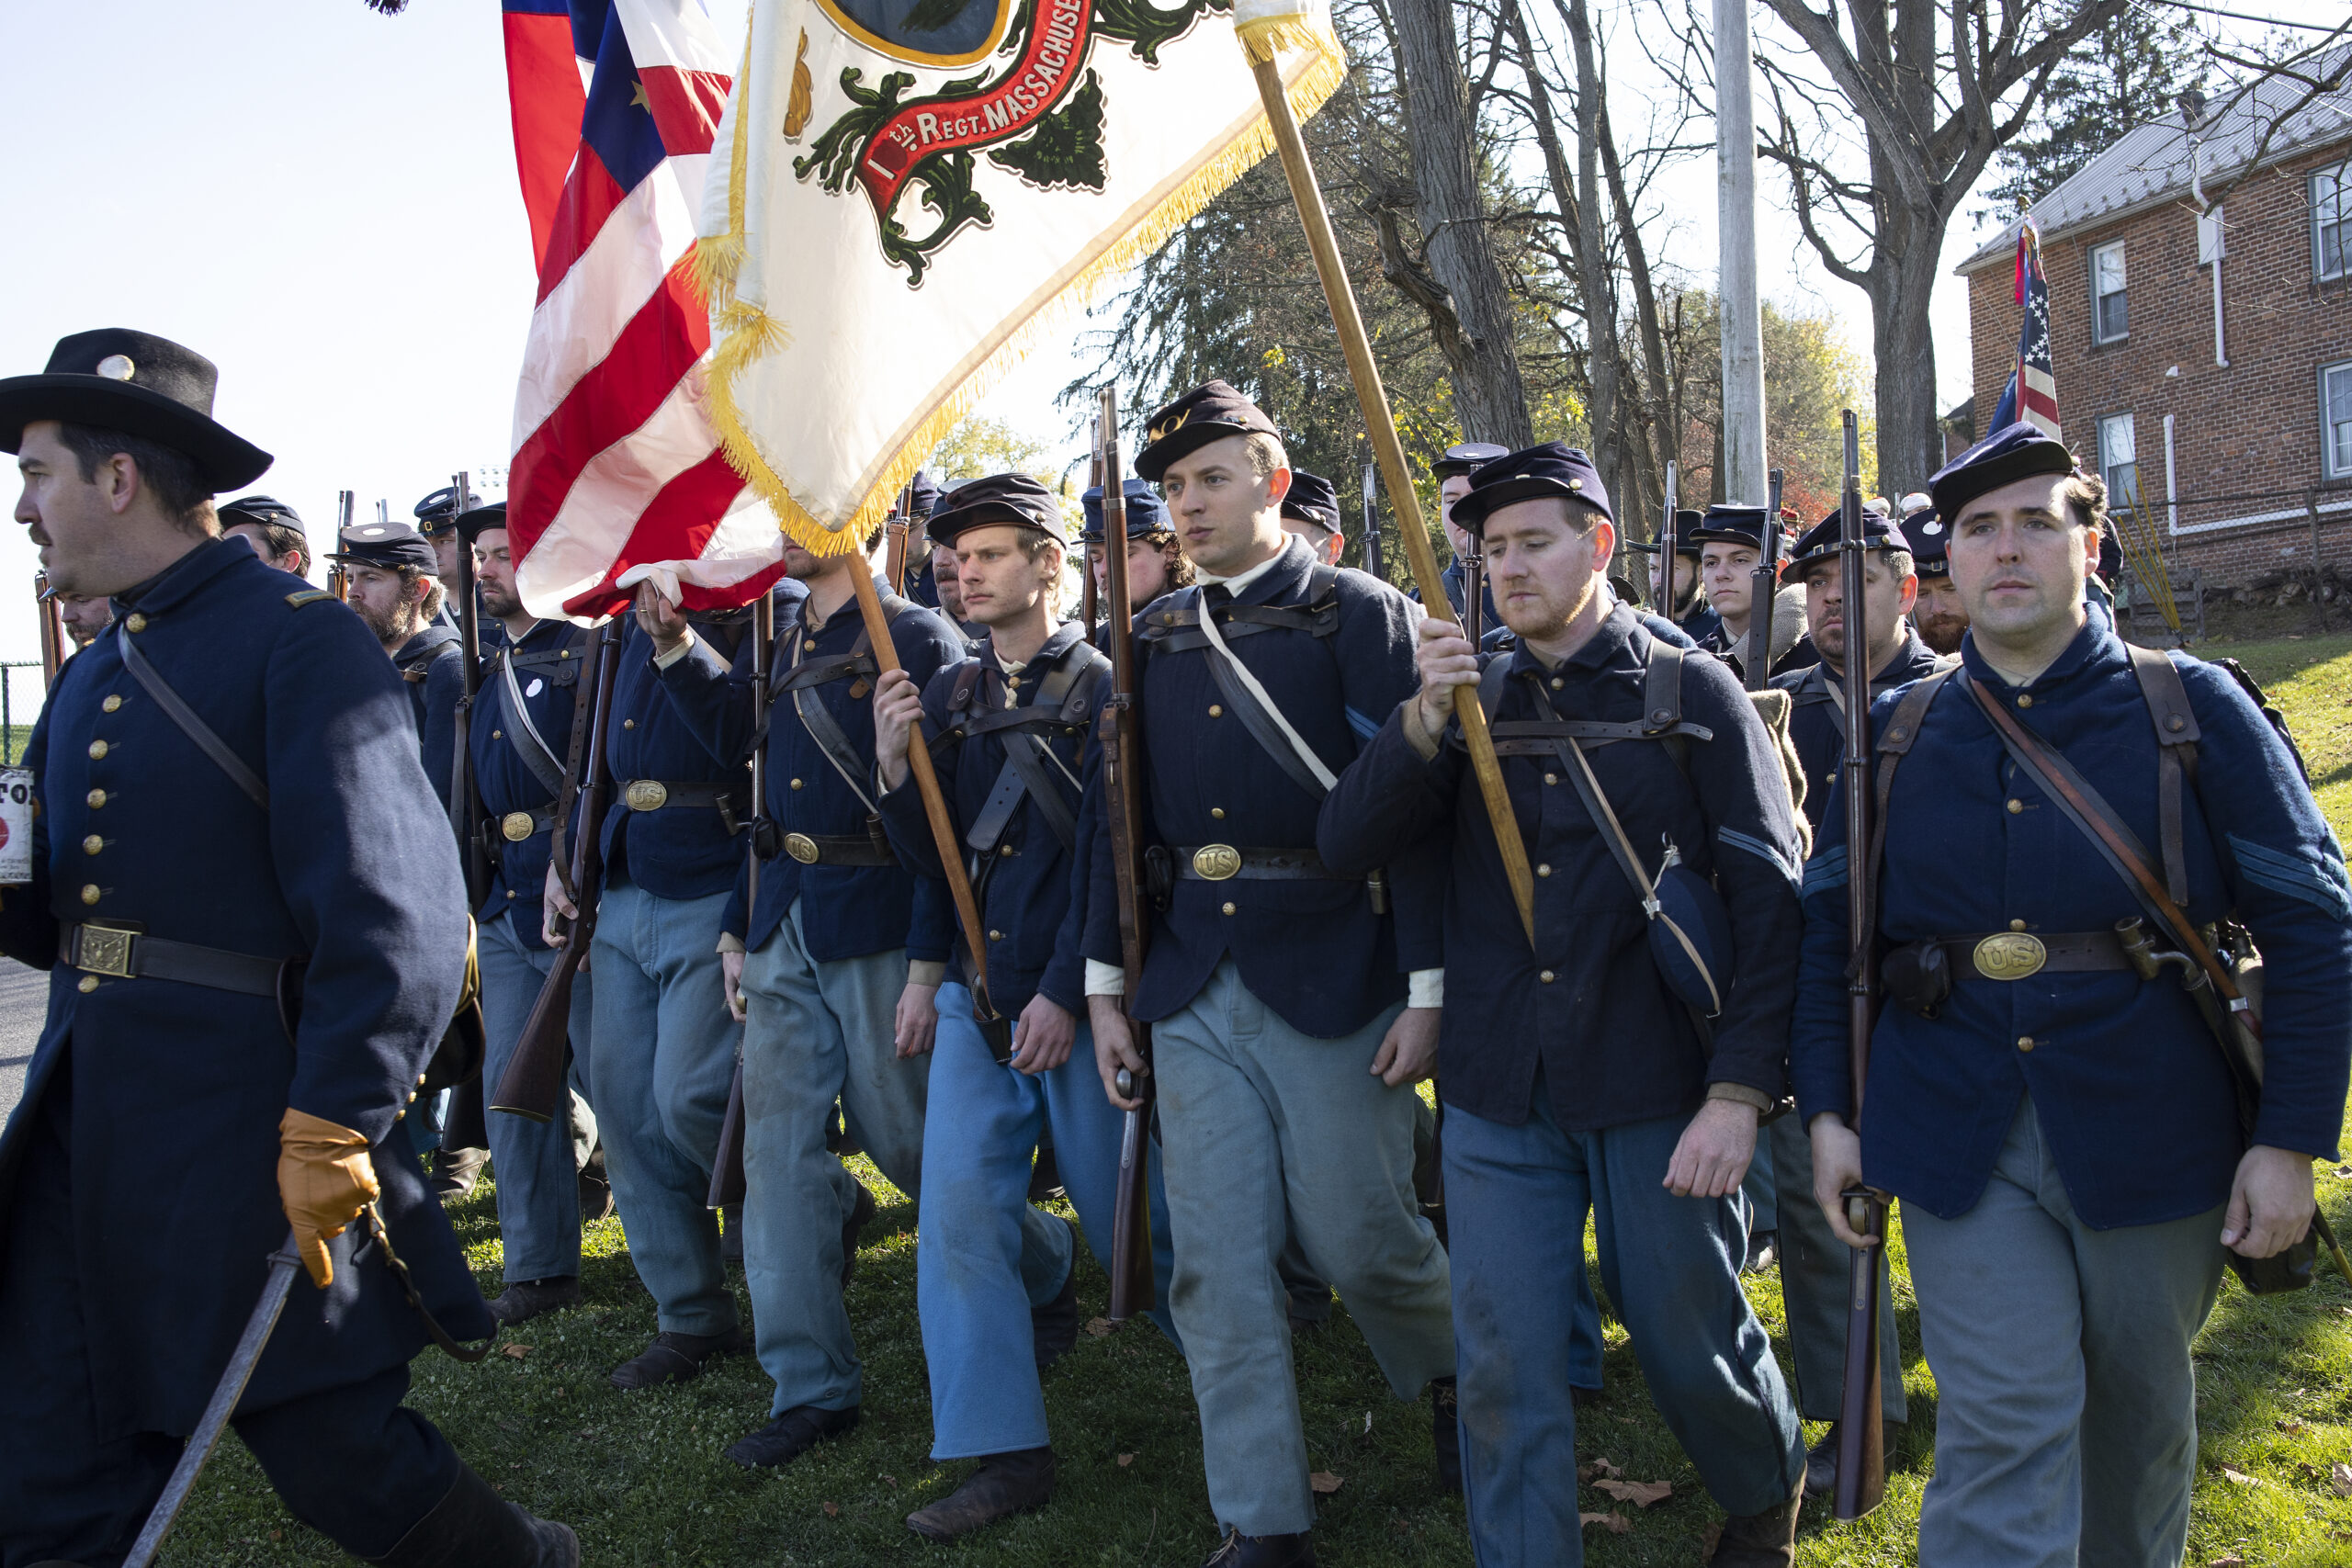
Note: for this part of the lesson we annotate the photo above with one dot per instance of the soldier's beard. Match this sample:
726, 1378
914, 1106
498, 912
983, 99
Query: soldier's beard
1943, 633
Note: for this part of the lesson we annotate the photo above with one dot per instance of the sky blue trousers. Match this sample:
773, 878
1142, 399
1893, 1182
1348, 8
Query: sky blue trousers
815, 1033
664, 1061
1517, 1198
984, 1256
535, 1165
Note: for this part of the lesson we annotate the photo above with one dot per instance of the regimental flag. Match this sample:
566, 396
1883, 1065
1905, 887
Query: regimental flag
2032, 392
914, 193
617, 465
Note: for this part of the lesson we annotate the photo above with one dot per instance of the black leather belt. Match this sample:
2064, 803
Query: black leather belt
2015, 954
838, 848
1220, 862
652, 795
126, 955
514, 827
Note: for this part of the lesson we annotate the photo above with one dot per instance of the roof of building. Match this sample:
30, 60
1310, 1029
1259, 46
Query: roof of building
2161, 159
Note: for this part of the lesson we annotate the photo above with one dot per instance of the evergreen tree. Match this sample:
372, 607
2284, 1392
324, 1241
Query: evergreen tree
2127, 73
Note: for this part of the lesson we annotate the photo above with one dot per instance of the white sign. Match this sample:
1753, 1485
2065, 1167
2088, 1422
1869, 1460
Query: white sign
15, 827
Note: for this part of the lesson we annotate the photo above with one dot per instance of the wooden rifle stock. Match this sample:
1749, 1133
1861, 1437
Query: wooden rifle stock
1765, 591
1123, 783
1862, 1440
532, 1086
727, 1179
53, 630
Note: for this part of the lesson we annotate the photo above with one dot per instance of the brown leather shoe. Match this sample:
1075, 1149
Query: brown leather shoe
1005, 1485
1768, 1540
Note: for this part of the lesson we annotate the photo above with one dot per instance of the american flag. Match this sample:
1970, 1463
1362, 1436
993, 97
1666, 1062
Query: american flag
2032, 392
616, 464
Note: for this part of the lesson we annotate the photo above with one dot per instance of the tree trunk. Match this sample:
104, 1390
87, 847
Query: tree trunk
1901, 285
1600, 282
1483, 355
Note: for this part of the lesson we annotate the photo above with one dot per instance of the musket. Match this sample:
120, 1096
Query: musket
727, 1179
465, 810
283, 1263
1862, 1442
338, 580
1667, 540
1122, 784
1760, 598
1372, 521
532, 1086
52, 629
1474, 586
1087, 609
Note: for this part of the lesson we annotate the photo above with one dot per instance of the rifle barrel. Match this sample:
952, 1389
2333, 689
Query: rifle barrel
1763, 595
727, 1179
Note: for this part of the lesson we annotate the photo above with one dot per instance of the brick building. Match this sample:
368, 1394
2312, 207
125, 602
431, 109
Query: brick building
2225, 409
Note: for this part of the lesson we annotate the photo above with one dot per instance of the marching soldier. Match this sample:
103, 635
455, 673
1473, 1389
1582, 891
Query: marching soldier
84, 615
1452, 471
1277, 986
998, 1302
1591, 1074
273, 530
1311, 510
436, 519
294, 1017
827, 975
520, 734
1940, 617
2069, 1129
1686, 608
396, 593
1156, 563
1731, 541
1814, 1262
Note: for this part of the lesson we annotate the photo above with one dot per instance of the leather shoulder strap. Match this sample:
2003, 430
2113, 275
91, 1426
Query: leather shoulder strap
1895, 743
2176, 738
195, 728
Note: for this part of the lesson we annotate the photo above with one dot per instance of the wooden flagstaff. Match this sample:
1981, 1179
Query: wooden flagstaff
1390, 452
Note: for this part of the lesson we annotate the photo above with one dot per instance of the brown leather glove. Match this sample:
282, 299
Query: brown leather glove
325, 1179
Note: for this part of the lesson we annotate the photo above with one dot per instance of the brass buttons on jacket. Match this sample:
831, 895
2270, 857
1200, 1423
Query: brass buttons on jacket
1545, 977
90, 893
1004, 849
2025, 700
96, 799
93, 844
1542, 871
136, 622
111, 703
98, 750
1228, 909
2015, 805
996, 936
796, 784
1012, 683
2016, 925
1217, 812
1216, 712
1551, 778
1557, 682
2024, 1042
89, 984
628, 724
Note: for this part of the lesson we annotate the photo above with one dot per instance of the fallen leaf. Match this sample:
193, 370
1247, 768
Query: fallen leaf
2238, 1477
2344, 1172
2231, 1560
891, 1481
1126, 1460
1642, 1493
277, 1535
1617, 1523
1324, 1483
1098, 1326
517, 1351
2339, 1475
2291, 1425
1601, 1466
832, 1510
1367, 1420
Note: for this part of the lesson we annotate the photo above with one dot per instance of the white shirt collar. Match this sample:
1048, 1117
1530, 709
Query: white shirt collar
1239, 584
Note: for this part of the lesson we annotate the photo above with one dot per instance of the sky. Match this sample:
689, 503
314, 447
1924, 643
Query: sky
322, 200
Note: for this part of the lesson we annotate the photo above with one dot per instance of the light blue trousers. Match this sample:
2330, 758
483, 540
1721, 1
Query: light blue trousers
667, 1057
1269, 1133
1516, 1199
535, 1165
815, 1033
984, 1256
2066, 1421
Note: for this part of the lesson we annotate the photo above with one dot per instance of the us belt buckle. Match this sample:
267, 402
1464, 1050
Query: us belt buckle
800, 847
515, 827
1215, 862
648, 795
103, 951
2010, 956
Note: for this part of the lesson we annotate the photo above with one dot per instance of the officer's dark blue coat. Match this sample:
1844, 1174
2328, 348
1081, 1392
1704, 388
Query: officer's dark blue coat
2129, 1087
848, 911
675, 852
1312, 951
436, 681
1586, 1003
550, 660
1817, 719
1032, 942
176, 1089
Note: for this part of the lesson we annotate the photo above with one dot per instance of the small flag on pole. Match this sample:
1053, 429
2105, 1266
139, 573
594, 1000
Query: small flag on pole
907, 200
2032, 392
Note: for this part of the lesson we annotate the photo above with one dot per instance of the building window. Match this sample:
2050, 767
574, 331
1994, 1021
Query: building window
2118, 460
2331, 219
2336, 419
2109, 319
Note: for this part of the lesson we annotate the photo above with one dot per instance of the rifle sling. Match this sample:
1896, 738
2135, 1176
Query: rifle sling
195, 728
521, 733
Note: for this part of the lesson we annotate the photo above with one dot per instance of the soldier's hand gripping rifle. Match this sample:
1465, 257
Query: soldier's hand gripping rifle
1123, 787
1862, 1451
727, 1180
532, 1086
1766, 590
465, 809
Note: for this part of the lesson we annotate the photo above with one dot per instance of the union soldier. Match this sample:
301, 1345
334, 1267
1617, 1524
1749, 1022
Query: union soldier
531, 698
826, 972
1156, 563
1686, 606
84, 615
1008, 728
2064, 1136
436, 519
273, 530
1584, 1075
1311, 510
1940, 617
396, 594
1452, 471
1277, 986
190, 1096
1731, 541
1815, 1264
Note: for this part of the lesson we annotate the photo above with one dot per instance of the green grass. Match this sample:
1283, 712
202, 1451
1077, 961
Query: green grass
642, 1478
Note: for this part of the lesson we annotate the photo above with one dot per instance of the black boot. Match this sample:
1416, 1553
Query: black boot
1053, 1329
473, 1527
859, 1218
1445, 1431
1768, 1540
1238, 1551
526, 1299
790, 1435
455, 1171
595, 1187
677, 1357
730, 1234
1005, 1485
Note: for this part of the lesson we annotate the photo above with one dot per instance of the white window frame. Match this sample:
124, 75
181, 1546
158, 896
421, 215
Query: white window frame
2335, 455
2122, 291
2110, 464
2331, 192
